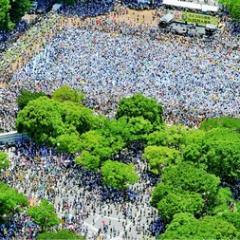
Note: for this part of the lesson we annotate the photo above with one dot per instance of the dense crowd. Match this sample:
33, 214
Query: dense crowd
8, 109
20, 226
89, 9
79, 196
7, 37
193, 81
108, 60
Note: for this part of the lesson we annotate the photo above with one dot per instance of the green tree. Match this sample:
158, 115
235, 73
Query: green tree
229, 212
140, 106
10, 200
195, 153
94, 142
194, 136
78, 117
233, 6
44, 215
159, 157
118, 175
179, 201
18, 9
5, 22
222, 122
65, 93
42, 120
223, 153
159, 191
26, 96
62, 234
227, 208
185, 176
4, 161
69, 143
219, 152
171, 136
185, 226
88, 161
138, 128
117, 134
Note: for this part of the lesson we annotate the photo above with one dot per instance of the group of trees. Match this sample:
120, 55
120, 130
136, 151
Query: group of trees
61, 234
11, 12
233, 6
194, 164
63, 121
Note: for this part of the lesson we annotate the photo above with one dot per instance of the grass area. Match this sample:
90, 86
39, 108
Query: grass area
201, 19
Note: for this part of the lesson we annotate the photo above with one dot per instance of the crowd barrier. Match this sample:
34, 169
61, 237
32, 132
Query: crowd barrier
13, 137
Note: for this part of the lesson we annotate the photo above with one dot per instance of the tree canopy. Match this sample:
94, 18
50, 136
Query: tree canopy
69, 143
4, 162
88, 161
190, 186
95, 142
26, 96
173, 201
138, 128
184, 188
185, 226
171, 136
226, 207
19, 8
44, 214
159, 157
11, 12
221, 122
185, 176
5, 22
62, 234
118, 175
140, 106
10, 200
77, 117
219, 151
65, 93
190, 163
233, 6
41, 119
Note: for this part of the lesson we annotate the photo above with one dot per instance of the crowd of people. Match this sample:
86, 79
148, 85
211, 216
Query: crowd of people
88, 8
20, 226
191, 80
8, 110
108, 60
79, 197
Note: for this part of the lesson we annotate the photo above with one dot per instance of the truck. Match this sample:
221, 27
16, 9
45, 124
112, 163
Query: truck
183, 26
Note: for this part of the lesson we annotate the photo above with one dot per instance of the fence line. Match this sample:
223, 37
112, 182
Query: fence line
13, 137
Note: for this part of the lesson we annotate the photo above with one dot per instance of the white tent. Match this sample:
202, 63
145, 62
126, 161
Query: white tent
192, 5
